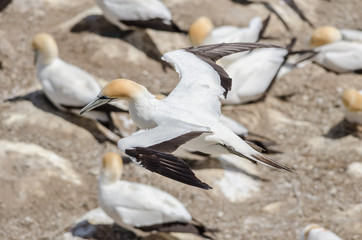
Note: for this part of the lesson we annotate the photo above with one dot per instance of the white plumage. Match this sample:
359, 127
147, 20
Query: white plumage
135, 204
67, 86
189, 116
316, 232
253, 74
338, 50
140, 13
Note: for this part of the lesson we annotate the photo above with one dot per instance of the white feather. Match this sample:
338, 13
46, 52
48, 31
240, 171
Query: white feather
140, 205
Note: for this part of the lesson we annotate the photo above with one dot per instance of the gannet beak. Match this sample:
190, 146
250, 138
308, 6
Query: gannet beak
99, 101
36, 52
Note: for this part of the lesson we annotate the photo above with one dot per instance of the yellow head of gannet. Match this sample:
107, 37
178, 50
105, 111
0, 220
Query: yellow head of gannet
325, 35
352, 100
46, 49
116, 89
199, 30
112, 167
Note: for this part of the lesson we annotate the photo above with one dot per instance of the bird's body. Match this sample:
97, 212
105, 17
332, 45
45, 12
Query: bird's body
253, 74
189, 116
202, 32
338, 50
135, 204
140, 13
68, 87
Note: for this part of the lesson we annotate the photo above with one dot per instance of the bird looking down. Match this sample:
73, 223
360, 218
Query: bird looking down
68, 87
188, 117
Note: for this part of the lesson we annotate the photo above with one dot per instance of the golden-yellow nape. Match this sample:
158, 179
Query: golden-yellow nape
121, 88
44, 42
325, 35
113, 165
199, 30
352, 100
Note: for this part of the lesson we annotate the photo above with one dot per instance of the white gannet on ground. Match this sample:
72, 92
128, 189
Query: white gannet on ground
139, 13
189, 116
68, 87
338, 50
316, 232
252, 73
352, 101
135, 204
202, 32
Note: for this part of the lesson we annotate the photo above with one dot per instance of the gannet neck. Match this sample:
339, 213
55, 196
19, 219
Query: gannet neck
199, 30
112, 167
325, 35
46, 48
352, 100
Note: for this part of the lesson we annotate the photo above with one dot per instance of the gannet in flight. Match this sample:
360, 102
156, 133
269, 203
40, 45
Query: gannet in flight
139, 13
68, 87
136, 204
338, 50
189, 116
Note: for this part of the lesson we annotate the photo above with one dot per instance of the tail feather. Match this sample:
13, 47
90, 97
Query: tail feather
258, 157
270, 162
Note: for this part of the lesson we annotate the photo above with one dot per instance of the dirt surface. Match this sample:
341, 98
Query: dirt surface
41, 199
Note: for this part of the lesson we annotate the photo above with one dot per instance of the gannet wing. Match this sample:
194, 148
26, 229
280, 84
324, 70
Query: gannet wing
202, 81
152, 150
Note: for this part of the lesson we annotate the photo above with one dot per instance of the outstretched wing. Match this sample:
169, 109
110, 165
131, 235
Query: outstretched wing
202, 81
152, 150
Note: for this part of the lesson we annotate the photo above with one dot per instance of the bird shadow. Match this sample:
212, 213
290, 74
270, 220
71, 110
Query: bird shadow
139, 38
87, 230
343, 129
39, 100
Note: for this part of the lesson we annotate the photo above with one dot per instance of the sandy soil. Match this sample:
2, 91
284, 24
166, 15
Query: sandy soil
302, 113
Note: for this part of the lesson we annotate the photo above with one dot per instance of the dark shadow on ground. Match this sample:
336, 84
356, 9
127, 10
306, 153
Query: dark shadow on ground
40, 101
343, 129
138, 38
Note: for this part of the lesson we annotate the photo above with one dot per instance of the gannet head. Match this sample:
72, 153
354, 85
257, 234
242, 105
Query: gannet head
115, 90
325, 35
199, 30
112, 167
352, 100
45, 47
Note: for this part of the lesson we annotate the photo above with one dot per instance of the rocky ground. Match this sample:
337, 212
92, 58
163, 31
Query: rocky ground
49, 161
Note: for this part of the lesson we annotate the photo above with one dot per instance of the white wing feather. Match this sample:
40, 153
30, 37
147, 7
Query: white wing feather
199, 88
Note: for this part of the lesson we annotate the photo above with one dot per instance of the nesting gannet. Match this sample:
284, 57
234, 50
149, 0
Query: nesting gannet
316, 232
139, 13
338, 50
189, 116
202, 32
135, 204
352, 101
252, 73
68, 87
